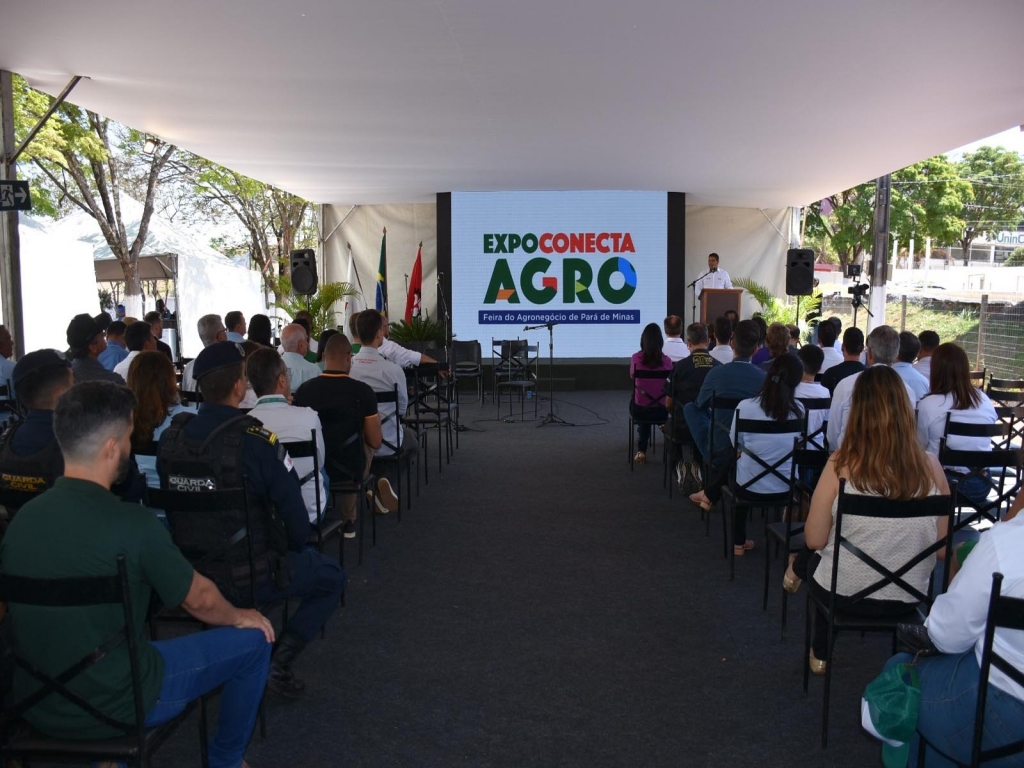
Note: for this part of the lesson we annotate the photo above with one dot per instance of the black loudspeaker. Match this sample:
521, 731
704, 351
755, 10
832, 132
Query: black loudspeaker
799, 272
304, 279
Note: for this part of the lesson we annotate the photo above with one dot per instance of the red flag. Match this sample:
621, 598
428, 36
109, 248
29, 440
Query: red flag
412, 301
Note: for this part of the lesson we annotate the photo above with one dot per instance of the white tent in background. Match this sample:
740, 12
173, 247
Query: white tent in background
206, 280
57, 283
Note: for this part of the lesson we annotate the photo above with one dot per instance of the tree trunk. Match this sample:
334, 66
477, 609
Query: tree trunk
965, 246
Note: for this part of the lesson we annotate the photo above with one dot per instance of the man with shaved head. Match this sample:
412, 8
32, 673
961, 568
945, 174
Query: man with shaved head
294, 346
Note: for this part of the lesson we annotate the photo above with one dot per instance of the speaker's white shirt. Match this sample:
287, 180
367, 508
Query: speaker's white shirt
717, 279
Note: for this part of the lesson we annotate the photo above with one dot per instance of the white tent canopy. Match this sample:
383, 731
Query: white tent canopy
207, 281
737, 103
57, 283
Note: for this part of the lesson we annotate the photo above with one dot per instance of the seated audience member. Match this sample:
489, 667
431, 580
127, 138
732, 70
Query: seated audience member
268, 377
249, 401
732, 316
929, 343
909, 346
794, 337
294, 346
883, 344
402, 357
86, 343
880, 457
763, 353
776, 342
953, 393
234, 321
956, 625
811, 357
838, 323
346, 406
103, 320
220, 447
93, 422
775, 402
151, 378
647, 401
29, 455
138, 338
6, 363
305, 319
353, 332
260, 331
156, 324
738, 380
321, 343
369, 367
853, 347
682, 387
211, 330
827, 342
675, 347
723, 335
116, 350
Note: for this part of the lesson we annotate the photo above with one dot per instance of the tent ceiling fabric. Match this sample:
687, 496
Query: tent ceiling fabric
737, 103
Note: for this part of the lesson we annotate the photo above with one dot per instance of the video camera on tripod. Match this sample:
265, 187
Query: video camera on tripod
858, 291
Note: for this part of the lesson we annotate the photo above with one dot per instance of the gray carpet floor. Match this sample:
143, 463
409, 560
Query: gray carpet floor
542, 605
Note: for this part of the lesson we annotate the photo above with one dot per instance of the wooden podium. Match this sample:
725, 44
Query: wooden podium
715, 302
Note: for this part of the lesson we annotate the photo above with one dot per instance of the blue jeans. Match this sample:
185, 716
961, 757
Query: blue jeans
972, 487
194, 665
318, 581
651, 413
949, 695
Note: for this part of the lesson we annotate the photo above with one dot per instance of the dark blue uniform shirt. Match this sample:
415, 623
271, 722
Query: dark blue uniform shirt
262, 462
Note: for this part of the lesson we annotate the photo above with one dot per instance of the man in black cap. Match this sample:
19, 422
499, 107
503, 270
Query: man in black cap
220, 448
86, 341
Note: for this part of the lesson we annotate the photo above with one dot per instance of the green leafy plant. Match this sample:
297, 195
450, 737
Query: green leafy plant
320, 305
1016, 259
419, 329
106, 299
774, 309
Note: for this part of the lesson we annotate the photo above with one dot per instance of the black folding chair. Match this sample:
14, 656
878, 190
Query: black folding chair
817, 438
1003, 613
739, 498
468, 364
324, 529
787, 534
722, 410
836, 611
399, 455
661, 376
978, 378
344, 479
1013, 417
191, 397
517, 372
429, 408
1006, 391
999, 468
20, 740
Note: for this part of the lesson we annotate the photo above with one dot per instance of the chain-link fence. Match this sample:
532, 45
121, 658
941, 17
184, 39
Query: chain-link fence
991, 332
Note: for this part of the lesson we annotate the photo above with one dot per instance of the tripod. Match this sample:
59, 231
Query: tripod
551, 418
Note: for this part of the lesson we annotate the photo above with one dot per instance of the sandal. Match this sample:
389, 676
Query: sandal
640, 458
739, 549
701, 500
791, 583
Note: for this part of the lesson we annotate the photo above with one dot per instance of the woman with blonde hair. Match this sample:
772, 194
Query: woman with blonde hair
151, 378
879, 456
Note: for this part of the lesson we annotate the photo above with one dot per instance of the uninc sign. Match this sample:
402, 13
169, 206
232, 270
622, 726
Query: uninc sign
577, 274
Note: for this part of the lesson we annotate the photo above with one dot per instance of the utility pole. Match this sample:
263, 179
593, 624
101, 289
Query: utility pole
10, 245
880, 252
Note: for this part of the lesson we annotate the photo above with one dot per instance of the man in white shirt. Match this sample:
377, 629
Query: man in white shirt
675, 347
929, 343
6, 363
138, 337
827, 335
268, 377
713, 277
956, 625
235, 322
808, 389
369, 367
723, 336
402, 357
909, 347
211, 329
883, 344
294, 346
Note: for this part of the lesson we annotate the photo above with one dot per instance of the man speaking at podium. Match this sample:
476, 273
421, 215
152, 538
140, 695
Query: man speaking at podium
713, 278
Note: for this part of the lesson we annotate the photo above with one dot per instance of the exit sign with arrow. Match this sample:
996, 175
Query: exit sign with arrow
14, 196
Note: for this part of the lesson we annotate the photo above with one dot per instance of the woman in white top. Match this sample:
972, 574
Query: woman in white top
151, 378
953, 392
879, 457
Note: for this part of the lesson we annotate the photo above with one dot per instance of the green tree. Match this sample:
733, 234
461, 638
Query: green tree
1015, 259
86, 161
929, 200
844, 220
997, 176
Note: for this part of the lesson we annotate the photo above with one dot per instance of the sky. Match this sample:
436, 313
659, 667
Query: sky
1011, 139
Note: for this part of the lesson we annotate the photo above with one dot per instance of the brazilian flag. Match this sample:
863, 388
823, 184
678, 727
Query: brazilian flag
382, 275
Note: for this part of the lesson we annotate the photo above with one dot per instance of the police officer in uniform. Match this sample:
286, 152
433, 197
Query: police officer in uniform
30, 459
213, 451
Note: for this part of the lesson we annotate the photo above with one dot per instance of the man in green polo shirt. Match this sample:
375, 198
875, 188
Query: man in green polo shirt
78, 528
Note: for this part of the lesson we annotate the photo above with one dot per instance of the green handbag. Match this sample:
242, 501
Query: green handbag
889, 711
